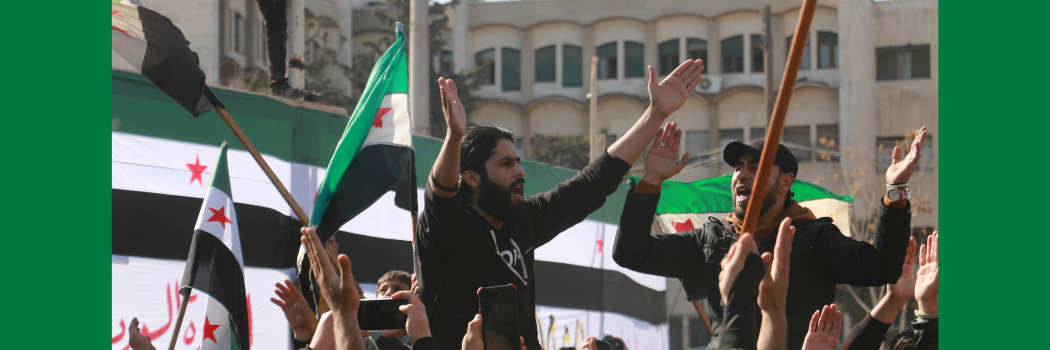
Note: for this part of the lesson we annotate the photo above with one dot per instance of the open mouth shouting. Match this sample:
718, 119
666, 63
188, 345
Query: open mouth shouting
743, 194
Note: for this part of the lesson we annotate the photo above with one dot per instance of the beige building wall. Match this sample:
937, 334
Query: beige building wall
557, 117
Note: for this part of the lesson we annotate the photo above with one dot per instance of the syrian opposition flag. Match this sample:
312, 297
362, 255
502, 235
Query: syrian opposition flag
157, 48
215, 266
685, 206
374, 161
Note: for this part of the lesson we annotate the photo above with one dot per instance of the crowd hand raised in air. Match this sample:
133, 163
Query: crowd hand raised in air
662, 162
772, 291
668, 95
900, 170
338, 289
455, 115
473, 340
926, 286
824, 330
300, 318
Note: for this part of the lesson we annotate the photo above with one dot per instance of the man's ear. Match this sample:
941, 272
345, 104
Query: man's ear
471, 178
786, 181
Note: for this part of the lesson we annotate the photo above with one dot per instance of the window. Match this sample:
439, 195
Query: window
827, 142
828, 48
446, 61
545, 64
697, 142
238, 32
758, 63
571, 66
483, 58
610, 139
733, 55
511, 70
901, 63
805, 53
634, 59
697, 49
885, 151
315, 51
668, 52
725, 136
758, 133
606, 61
798, 136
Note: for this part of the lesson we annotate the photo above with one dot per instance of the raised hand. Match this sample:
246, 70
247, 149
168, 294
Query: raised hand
733, 263
900, 170
824, 329
662, 161
926, 280
772, 292
455, 115
338, 289
669, 95
418, 326
300, 318
136, 340
904, 289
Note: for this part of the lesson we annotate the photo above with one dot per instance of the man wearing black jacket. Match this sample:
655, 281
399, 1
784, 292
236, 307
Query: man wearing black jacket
821, 255
478, 229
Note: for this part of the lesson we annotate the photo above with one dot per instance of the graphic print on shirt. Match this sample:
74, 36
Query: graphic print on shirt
512, 257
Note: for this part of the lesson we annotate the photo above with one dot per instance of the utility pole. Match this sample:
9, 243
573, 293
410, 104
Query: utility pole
419, 66
595, 148
767, 58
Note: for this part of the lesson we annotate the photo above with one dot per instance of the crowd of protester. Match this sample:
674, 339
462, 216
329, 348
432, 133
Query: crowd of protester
769, 289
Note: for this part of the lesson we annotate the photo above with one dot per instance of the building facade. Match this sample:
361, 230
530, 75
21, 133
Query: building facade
867, 80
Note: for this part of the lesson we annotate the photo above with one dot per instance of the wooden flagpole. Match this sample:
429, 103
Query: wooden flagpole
305, 220
776, 122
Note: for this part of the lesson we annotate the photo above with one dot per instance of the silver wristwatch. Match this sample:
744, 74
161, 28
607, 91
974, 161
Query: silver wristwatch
897, 191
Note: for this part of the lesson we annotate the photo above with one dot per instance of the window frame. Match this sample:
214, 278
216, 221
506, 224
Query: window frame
552, 70
609, 62
491, 61
833, 50
728, 61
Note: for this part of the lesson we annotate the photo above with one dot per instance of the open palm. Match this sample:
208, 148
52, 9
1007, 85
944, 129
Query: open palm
926, 280
824, 329
669, 95
662, 160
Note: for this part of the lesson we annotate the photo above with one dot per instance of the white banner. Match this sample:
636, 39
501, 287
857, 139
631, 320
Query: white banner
148, 289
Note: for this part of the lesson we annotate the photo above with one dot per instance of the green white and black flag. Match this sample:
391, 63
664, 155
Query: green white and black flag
157, 48
215, 265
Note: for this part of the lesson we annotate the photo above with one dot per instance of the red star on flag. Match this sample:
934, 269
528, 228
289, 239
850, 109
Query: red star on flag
209, 331
117, 13
683, 226
378, 123
219, 216
122, 31
600, 242
197, 169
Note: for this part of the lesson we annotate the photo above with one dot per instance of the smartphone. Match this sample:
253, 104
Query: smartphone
499, 317
380, 315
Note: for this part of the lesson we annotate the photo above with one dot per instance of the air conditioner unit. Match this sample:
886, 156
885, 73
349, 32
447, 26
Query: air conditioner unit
710, 84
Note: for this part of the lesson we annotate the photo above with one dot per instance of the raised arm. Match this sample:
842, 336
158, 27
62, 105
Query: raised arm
863, 264
446, 166
871, 331
664, 98
670, 255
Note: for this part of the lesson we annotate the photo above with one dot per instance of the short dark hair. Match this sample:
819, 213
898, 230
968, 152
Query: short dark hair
396, 274
479, 143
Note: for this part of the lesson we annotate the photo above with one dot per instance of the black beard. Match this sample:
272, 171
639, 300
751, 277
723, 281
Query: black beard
767, 202
495, 200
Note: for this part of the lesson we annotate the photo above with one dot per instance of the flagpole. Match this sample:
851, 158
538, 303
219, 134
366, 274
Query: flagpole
178, 321
776, 122
303, 219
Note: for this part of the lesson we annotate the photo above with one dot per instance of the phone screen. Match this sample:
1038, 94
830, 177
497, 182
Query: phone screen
499, 317
376, 315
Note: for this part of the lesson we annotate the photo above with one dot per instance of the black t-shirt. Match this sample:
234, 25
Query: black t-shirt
459, 251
